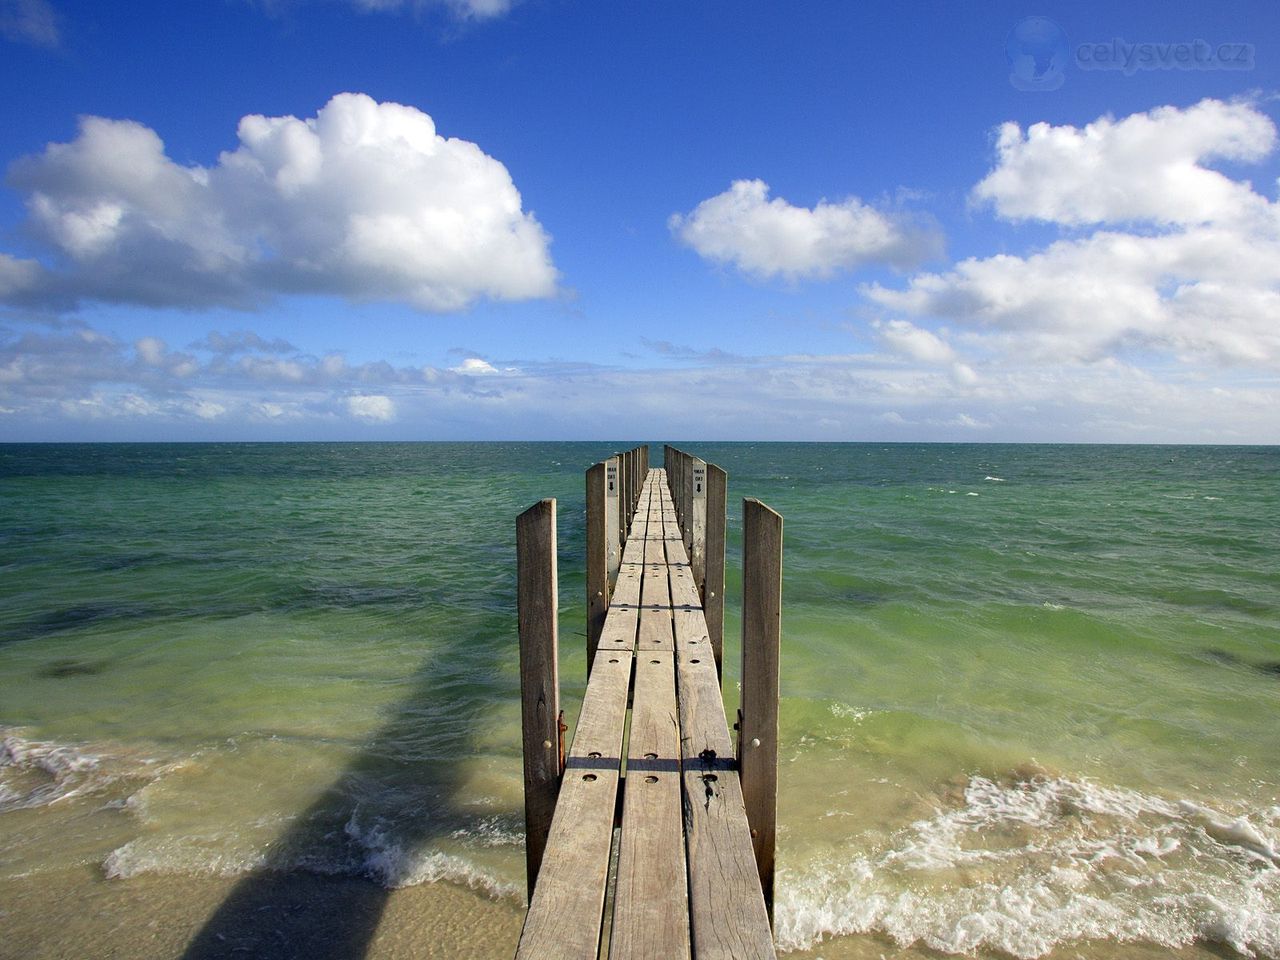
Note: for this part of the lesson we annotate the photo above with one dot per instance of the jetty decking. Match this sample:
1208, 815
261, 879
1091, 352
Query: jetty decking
640, 841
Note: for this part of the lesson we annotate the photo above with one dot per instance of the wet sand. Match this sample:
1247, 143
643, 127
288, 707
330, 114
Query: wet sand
78, 915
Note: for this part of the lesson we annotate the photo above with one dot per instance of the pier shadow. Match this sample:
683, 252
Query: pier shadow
301, 907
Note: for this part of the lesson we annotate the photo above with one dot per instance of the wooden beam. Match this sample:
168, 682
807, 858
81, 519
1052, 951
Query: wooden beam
597, 556
537, 610
698, 520
761, 641
612, 520
713, 583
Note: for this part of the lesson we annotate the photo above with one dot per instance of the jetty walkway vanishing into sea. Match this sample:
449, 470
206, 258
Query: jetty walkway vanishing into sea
653, 836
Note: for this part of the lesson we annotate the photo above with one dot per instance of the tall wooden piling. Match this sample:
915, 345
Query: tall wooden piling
761, 640
613, 529
712, 585
597, 555
537, 611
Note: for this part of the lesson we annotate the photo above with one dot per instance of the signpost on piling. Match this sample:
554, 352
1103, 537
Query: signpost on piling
691, 826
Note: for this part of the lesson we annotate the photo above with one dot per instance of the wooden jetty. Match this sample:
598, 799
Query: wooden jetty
653, 835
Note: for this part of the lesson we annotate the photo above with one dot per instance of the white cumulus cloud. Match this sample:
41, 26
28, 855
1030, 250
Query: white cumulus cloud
1145, 167
365, 200
770, 237
1199, 283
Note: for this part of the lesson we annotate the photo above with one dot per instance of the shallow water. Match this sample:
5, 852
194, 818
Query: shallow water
1029, 692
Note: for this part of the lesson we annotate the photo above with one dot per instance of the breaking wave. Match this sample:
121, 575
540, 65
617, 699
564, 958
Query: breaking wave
1025, 866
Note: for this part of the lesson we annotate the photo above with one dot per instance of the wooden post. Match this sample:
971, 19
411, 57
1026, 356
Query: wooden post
676, 484
761, 640
613, 532
686, 520
625, 492
713, 585
539, 676
698, 521
597, 556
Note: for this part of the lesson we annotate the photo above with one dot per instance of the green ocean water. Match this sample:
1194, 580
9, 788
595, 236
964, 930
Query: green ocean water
1029, 692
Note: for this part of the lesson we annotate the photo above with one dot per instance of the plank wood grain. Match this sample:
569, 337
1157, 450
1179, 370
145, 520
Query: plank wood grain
566, 912
597, 573
761, 644
651, 909
713, 584
536, 603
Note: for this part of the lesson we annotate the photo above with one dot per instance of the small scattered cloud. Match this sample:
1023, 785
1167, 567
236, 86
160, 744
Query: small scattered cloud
461, 9
365, 201
914, 342
30, 21
475, 367
458, 10
374, 408
676, 351
768, 238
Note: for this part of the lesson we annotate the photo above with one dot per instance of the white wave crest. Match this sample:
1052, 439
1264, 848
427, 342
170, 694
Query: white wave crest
37, 773
391, 864
1026, 866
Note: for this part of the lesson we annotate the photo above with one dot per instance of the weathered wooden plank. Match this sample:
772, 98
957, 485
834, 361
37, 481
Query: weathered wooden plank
566, 912
651, 911
761, 641
655, 603
713, 584
729, 920
597, 557
537, 609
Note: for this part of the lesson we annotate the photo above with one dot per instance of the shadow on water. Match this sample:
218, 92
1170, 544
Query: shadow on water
410, 772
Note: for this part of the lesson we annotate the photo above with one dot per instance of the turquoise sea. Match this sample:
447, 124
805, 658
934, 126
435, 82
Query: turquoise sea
261, 699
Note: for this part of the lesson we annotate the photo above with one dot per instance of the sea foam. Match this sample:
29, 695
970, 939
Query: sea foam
36, 773
1025, 866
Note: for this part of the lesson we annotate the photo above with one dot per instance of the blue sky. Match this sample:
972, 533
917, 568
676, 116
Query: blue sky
387, 219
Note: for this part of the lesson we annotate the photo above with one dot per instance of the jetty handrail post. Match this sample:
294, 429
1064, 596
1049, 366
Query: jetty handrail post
698, 521
624, 488
676, 482
713, 582
614, 534
761, 643
640, 472
600, 478
686, 524
537, 611
673, 479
